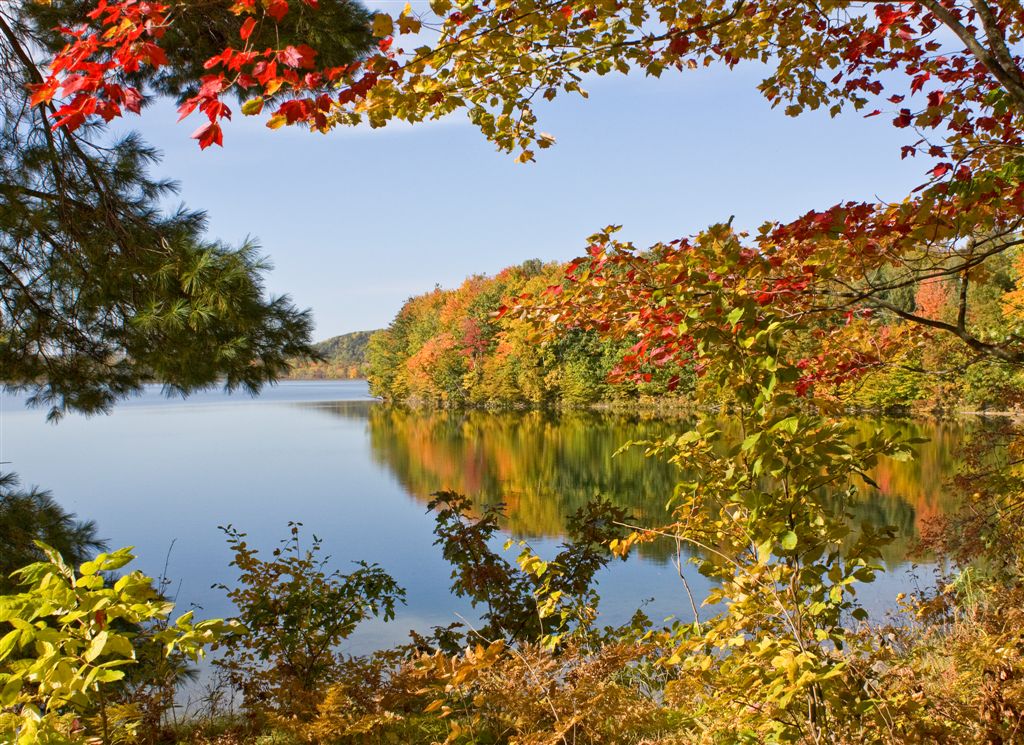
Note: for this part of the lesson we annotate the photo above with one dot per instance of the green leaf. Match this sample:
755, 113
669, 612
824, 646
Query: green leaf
902, 455
788, 540
789, 424
120, 645
10, 691
253, 106
109, 676
88, 569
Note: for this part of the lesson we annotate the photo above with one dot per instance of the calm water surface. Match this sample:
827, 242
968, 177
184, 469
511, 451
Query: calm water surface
163, 474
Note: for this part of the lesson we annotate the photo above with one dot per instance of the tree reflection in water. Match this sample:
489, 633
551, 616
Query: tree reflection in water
544, 465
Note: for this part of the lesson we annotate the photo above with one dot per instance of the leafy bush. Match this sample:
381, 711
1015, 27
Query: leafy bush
535, 600
71, 634
296, 612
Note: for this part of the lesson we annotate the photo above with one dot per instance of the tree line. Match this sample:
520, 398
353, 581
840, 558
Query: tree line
458, 347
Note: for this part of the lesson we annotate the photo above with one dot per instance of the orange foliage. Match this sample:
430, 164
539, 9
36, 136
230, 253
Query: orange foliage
932, 297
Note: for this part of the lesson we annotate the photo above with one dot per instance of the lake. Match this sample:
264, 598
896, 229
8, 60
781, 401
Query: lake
162, 474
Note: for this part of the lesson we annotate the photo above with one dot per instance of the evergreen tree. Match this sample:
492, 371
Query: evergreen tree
33, 515
101, 289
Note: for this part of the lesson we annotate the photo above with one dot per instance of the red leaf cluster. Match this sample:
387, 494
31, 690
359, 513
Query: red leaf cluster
88, 74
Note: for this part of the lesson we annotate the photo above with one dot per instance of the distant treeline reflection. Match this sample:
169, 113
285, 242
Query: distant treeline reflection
544, 465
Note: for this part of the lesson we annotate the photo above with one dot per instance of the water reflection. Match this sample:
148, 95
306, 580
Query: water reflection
545, 465
159, 472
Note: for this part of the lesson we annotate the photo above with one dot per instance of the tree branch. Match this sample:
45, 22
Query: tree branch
1011, 82
995, 350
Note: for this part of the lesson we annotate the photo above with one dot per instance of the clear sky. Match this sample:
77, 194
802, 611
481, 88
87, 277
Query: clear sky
358, 220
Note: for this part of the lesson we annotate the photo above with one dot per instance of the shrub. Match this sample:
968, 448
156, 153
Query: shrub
71, 634
296, 613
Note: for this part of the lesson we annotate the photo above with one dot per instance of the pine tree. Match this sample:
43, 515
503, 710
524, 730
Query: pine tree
33, 515
101, 289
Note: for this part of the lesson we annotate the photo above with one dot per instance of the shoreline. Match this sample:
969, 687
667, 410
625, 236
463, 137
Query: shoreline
676, 408
671, 406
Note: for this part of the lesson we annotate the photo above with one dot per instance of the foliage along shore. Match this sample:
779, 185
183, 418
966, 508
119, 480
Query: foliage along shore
459, 348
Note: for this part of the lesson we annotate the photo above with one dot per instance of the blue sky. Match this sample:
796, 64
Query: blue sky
356, 221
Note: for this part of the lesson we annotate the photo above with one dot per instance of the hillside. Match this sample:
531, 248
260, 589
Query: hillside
345, 358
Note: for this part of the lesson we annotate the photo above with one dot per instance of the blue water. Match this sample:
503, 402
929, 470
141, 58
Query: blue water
162, 474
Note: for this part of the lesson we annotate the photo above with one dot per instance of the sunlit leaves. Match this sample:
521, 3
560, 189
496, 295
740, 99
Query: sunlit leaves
73, 633
754, 508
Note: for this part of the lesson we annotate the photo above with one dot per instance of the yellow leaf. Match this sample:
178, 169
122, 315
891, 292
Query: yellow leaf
276, 122
383, 25
96, 646
408, 24
253, 106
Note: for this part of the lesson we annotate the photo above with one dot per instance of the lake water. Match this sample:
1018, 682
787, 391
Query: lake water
162, 475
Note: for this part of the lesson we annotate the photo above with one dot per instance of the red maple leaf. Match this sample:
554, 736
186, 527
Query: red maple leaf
209, 134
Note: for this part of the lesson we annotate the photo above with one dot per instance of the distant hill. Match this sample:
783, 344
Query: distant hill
346, 348
345, 358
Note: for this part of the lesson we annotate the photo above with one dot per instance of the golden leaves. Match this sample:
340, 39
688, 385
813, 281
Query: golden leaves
383, 25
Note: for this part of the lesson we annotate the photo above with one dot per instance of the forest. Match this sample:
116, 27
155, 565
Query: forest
460, 347
771, 335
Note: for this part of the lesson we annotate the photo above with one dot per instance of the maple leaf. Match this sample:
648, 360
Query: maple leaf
302, 56
290, 56
152, 54
72, 120
253, 106
294, 110
903, 120
208, 134
132, 100
76, 83
43, 93
383, 25
679, 44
